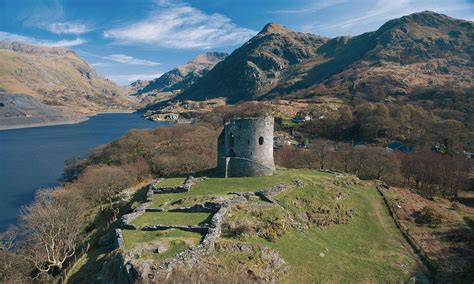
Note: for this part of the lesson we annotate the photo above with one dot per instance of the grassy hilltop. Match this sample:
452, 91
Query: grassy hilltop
309, 228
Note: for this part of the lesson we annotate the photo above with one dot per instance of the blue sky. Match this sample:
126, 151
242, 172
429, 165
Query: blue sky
127, 40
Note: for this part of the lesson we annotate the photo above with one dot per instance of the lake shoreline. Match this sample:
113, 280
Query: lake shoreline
34, 157
65, 122
43, 124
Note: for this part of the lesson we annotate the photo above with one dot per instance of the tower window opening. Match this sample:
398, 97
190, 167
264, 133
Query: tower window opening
260, 140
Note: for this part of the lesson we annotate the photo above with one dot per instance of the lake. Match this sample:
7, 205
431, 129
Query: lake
33, 158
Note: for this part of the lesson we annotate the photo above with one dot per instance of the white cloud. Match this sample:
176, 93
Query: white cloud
99, 64
383, 10
15, 37
65, 42
74, 28
311, 8
182, 27
129, 78
30, 40
122, 58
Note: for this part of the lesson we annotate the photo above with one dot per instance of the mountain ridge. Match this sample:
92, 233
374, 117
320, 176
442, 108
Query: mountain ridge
58, 77
420, 50
182, 76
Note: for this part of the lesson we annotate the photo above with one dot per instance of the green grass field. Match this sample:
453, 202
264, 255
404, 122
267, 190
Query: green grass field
133, 237
174, 181
170, 218
222, 186
367, 249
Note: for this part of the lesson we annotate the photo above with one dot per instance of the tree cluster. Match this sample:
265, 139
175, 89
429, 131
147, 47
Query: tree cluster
431, 174
434, 174
384, 121
365, 162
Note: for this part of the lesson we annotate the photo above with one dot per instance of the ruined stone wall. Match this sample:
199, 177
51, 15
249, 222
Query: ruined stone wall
245, 147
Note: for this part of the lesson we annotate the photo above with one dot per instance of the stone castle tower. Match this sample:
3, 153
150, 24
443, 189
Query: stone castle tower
245, 147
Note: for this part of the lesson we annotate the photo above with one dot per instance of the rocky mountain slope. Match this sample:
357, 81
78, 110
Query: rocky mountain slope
419, 51
19, 110
258, 66
180, 77
57, 76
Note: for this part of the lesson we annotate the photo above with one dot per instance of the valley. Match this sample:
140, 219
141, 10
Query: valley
236, 151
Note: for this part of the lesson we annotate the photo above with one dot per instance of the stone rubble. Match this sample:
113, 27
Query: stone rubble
148, 270
127, 219
268, 193
119, 242
207, 207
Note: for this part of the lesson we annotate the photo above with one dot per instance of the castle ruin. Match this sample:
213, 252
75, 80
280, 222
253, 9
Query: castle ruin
245, 147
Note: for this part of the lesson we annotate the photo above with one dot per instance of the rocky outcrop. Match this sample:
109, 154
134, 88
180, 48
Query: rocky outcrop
117, 266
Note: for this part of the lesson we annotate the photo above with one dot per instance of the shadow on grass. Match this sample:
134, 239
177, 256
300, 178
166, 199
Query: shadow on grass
208, 220
96, 255
212, 172
468, 201
139, 196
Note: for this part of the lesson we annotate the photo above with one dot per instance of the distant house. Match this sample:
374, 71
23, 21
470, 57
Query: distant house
297, 119
397, 146
280, 141
469, 155
300, 117
296, 134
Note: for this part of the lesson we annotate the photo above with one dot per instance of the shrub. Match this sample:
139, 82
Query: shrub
456, 206
434, 174
431, 216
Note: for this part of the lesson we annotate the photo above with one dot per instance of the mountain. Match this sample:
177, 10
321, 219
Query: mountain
258, 66
182, 76
20, 110
58, 77
419, 51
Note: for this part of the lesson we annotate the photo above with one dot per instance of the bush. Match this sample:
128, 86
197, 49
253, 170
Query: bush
456, 206
431, 216
366, 163
434, 174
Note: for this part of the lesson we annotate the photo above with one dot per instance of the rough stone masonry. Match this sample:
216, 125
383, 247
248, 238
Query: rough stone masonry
245, 147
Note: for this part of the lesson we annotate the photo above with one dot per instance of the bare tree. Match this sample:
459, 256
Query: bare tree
51, 228
13, 268
321, 152
435, 174
102, 183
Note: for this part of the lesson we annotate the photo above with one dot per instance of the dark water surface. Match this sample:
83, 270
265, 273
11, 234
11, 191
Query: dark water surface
33, 158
